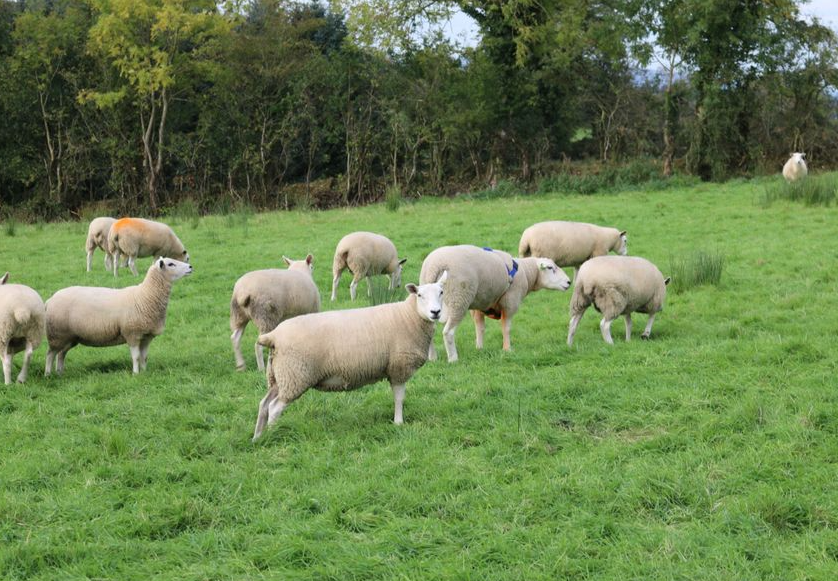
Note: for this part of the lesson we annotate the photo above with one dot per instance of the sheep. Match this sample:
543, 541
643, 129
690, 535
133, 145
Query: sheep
366, 254
97, 237
617, 285
21, 325
490, 283
344, 350
102, 317
571, 243
136, 238
795, 168
268, 297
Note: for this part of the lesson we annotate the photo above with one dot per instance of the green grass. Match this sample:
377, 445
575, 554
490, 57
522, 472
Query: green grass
815, 190
708, 452
697, 268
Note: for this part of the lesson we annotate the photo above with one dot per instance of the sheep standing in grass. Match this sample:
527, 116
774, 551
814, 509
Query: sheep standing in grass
344, 350
21, 325
795, 168
102, 317
268, 297
97, 237
366, 254
617, 285
571, 243
489, 283
137, 238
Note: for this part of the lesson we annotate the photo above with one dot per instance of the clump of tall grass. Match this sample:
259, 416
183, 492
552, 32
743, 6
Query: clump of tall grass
381, 293
240, 217
187, 211
10, 225
393, 198
696, 269
811, 191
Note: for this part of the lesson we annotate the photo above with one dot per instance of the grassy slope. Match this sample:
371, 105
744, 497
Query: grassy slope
709, 452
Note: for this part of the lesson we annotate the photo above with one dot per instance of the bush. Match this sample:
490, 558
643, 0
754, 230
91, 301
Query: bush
812, 191
590, 179
699, 268
393, 198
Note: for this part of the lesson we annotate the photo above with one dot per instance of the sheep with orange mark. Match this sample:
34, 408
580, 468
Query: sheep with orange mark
137, 238
268, 297
21, 325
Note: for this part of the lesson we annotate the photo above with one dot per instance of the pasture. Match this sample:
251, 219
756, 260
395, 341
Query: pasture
708, 452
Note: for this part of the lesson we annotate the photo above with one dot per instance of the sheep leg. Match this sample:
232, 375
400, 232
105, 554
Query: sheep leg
628, 327
27, 357
260, 357
262, 416
50, 359
132, 265
59, 362
353, 287
369, 286
89, 259
7, 365
145, 342
115, 261
648, 330
390, 281
236, 339
335, 282
574, 324
135, 357
431, 348
398, 399
448, 336
605, 328
479, 328
108, 260
506, 327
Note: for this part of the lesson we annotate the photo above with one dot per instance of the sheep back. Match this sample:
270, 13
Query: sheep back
567, 243
268, 297
619, 285
139, 237
366, 253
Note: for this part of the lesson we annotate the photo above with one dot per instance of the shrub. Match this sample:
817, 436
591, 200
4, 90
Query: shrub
699, 268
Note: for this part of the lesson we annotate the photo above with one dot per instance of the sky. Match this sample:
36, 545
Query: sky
462, 27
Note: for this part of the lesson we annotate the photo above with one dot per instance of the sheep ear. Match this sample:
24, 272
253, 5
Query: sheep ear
309, 259
444, 277
5, 278
622, 232
287, 260
667, 280
403, 260
161, 264
412, 288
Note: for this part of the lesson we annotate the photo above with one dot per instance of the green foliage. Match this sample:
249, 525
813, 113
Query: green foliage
817, 190
380, 291
10, 225
705, 453
700, 267
393, 198
639, 174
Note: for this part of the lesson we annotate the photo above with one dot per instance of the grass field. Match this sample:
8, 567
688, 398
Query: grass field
709, 452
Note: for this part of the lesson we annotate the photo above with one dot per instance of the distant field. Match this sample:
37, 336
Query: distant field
709, 452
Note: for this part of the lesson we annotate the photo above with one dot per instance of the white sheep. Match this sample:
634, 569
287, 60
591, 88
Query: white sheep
366, 254
268, 297
487, 282
617, 285
97, 237
795, 168
571, 243
21, 325
102, 317
344, 350
137, 238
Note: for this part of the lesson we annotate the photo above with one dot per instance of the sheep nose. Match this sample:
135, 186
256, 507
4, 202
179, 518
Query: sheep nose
435, 314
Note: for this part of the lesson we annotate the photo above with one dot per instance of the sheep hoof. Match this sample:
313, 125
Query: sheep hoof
240, 367
644, 336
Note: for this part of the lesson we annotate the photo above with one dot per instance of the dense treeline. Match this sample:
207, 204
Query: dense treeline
141, 104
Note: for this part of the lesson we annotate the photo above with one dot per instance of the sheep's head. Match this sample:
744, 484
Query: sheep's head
429, 298
304, 265
799, 158
396, 276
621, 247
172, 269
551, 276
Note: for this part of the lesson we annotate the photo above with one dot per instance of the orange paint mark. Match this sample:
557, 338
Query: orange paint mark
128, 223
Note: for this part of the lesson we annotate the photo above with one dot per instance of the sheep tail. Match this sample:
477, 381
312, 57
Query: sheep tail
265, 340
22, 315
340, 261
524, 249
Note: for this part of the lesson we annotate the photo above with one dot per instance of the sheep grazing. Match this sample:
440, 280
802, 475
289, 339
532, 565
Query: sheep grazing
97, 237
21, 325
795, 168
137, 238
366, 254
490, 283
268, 297
617, 285
102, 317
344, 350
571, 243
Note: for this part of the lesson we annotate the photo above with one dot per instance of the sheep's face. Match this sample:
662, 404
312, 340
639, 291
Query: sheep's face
429, 298
396, 277
551, 276
173, 269
622, 244
799, 158
305, 265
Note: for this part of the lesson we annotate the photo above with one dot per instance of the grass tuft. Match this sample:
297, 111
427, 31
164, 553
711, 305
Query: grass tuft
10, 225
819, 190
696, 269
381, 293
393, 198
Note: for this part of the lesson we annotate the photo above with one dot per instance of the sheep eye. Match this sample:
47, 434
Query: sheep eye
171, 264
